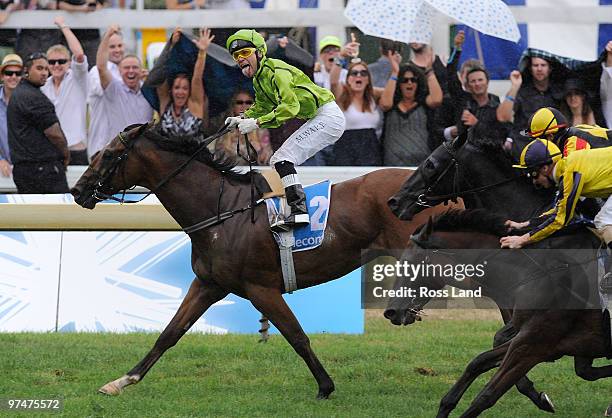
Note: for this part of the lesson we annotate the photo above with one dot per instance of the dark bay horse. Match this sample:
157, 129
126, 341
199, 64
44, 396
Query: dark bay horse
460, 167
447, 173
546, 317
236, 255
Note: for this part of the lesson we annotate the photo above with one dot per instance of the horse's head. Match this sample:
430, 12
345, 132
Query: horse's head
109, 171
407, 310
435, 176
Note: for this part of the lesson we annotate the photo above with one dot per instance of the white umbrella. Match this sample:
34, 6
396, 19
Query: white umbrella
491, 17
399, 20
411, 20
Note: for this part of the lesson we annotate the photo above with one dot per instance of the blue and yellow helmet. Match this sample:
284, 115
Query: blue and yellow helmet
538, 153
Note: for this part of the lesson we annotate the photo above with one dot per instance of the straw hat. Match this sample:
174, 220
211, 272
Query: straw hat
11, 59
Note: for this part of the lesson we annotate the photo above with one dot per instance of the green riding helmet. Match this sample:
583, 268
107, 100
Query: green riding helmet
246, 38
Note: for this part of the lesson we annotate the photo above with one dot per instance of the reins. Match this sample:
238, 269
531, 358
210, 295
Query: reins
215, 220
455, 195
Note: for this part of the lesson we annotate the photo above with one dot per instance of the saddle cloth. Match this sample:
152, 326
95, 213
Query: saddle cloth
317, 201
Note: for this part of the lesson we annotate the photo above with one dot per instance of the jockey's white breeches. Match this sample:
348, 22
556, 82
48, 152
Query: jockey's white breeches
603, 220
319, 132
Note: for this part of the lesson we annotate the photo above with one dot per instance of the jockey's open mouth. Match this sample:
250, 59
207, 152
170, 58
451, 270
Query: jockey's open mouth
245, 66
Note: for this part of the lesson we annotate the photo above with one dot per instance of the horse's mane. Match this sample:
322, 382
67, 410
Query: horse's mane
189, 144
492, 151
473, 220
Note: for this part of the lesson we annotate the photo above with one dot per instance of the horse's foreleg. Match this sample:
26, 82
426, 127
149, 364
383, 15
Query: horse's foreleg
479, 365
520, 358
524, 385
199, 298
271, 303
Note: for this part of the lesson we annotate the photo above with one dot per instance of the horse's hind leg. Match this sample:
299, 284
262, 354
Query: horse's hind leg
201, 295
271, 303
524, 385
583, 366
584, 369
479, 365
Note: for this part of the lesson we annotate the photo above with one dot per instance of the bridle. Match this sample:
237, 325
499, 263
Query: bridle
102, 180
424, 200
128, 144
427, 201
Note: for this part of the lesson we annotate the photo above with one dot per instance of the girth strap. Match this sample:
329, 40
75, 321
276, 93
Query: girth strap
218, 219
285, 242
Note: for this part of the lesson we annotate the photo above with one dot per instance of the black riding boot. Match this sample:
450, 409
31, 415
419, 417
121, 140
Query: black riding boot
296, 199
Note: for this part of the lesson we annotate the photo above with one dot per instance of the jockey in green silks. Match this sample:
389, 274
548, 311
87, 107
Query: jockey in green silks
283, 92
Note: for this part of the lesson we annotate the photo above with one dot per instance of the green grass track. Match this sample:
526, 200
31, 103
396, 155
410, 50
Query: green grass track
388, 372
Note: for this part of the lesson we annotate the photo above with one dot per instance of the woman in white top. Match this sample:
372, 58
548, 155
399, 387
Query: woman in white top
360, 144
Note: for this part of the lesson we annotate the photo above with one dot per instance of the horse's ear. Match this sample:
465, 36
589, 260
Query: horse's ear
142, 128
136, 129
461, 139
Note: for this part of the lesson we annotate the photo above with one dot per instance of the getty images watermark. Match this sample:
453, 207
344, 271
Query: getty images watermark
407, 271
492, 278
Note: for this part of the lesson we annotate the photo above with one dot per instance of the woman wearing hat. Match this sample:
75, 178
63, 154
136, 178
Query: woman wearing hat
575, 105
10, 71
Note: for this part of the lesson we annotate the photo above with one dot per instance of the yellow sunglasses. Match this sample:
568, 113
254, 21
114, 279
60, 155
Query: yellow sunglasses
243, 53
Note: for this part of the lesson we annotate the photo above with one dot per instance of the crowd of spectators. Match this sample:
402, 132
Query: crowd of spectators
397, 109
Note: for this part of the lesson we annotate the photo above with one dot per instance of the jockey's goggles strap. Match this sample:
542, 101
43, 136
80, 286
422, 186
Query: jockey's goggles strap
243, 53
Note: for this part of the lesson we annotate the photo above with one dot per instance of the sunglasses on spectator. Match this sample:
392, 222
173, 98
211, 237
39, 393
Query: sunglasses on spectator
9, 73
407, 79
61, 61
243, 102
359, 73
243, 53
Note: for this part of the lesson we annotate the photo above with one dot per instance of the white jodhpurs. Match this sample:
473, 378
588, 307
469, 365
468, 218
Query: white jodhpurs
319, 132
603, 220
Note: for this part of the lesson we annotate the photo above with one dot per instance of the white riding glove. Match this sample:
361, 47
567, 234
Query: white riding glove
247, 125
233, 121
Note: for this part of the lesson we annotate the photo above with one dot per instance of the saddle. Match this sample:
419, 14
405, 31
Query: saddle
274, 181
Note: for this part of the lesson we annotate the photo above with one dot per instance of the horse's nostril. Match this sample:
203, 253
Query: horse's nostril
75, 192
389, 313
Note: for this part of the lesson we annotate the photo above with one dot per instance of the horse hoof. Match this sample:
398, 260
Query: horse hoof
111, 389
608, 412
545, 403
321, 396
115, 387
325, 392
